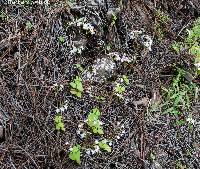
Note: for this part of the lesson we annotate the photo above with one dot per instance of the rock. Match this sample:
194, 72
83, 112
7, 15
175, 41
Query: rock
102, 69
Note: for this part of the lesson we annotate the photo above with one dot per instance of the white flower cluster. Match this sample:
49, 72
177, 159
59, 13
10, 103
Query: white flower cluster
147, 41
77, 50
122, 58
62, 108
60, 87
121, 134
82, 22
190, 120
134, 34
197, 65
96, 148
81, 132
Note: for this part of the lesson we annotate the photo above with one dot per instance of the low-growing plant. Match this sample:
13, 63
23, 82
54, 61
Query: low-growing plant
61, 39
191, 43
103, 145
59, 124
79, 67
77, 87
177, 98
126, 80
29, 25
94, 122
119, 90
75, 154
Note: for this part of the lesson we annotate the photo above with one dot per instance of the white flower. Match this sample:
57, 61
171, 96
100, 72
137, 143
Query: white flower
61, 87
97, 149
57, 110
190, 120
70, 149
62, 109
66, 143
80, 125
147, 41
101, 123
86, 26
85, 120
197, 65
82, 135
93, 152
118, 137
88, 151
96, 141
65, 107
110, 143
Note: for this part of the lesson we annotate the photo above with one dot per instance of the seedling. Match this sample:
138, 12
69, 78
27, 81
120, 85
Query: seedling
103, 145
119, 90
114, 18
78, 66
61, 39
126, 80
3, 15
94, 122
176, 99
77, 87
29, 25
101, 98
75, 154
59, 124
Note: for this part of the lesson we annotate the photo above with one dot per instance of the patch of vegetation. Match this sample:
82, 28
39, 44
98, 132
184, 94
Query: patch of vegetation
103, 145
75, 154
161, 21
77, 87
94, 122
61, 39
29, 25
191, 42
177, 98
59, 124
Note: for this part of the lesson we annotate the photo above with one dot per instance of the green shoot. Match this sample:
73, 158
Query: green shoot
61, 39
94, 122
29, 25
103, 145
75, 154
77, 87
126, 80
78, 66
59, 124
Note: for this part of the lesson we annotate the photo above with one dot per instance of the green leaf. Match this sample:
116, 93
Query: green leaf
58, 122
79, 86
75, 154
103, 145
72, 84
125, 78
61, 39
78, 94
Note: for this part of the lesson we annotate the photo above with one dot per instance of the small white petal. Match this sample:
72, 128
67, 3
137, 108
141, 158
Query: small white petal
110, 143
62, 109
93, 152
96, 141
88, 152
80, 125
57, 110
118, 137
70, 149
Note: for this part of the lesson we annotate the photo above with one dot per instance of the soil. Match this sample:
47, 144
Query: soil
33, 59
